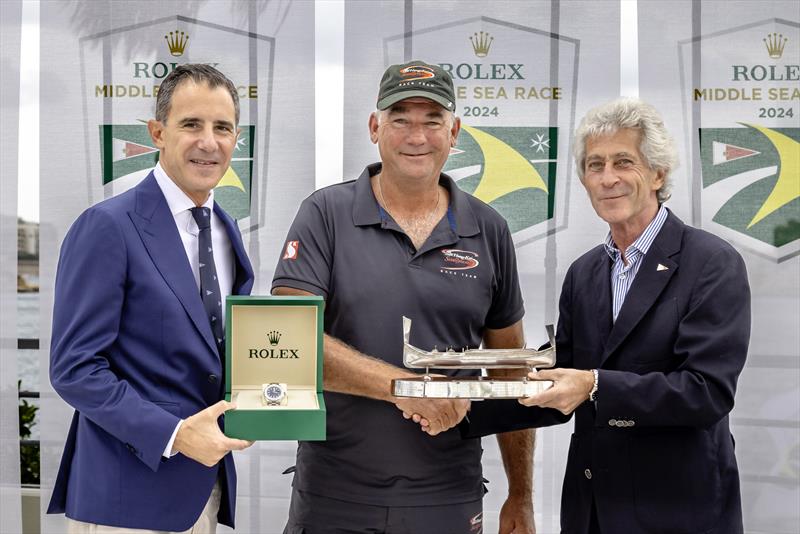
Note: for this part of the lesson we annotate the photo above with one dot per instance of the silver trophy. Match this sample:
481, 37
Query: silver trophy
475, 388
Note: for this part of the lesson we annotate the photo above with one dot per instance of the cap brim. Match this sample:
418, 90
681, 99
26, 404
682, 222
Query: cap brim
402, 95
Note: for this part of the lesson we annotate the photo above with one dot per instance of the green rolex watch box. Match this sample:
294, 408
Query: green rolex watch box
273, 367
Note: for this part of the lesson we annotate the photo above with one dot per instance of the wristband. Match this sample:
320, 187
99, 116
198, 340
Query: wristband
593, 392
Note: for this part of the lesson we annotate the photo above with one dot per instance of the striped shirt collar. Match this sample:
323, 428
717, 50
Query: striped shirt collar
643, 242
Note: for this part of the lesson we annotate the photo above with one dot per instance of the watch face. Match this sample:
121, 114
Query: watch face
273, 392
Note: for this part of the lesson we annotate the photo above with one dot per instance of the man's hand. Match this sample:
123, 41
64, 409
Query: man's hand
516, 516
201, 439
433, 415
570, 389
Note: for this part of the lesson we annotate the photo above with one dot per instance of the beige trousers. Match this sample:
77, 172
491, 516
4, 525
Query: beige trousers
206, 523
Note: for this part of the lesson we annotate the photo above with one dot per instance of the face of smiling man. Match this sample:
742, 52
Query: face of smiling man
620, 183
197, 139
414, 139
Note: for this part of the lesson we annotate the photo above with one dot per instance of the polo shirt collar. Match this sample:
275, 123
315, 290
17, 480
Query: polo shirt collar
367, 211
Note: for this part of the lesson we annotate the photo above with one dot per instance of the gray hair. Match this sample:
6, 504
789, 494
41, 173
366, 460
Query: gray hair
198, 73
656, 145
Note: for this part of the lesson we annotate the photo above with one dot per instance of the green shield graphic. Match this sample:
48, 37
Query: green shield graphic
513, 169
767, 207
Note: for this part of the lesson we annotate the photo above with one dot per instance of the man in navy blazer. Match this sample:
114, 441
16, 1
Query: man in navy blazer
133, 347
652, 335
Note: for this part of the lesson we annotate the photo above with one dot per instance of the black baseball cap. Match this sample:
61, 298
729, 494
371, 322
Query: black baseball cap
416, 78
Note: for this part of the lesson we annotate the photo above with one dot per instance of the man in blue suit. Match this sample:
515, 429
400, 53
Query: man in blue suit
652, 335
136, 349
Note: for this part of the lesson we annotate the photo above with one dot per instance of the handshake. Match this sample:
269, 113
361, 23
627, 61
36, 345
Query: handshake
433, 415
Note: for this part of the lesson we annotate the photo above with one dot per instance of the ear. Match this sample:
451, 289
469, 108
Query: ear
454, 131
156, 129
658, 181
373, 127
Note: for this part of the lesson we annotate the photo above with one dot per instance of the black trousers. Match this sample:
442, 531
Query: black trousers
314, 514
594, 524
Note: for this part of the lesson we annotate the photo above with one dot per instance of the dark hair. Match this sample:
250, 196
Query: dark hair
198, 73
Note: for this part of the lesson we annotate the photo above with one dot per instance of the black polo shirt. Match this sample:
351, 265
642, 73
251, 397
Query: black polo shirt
344, 246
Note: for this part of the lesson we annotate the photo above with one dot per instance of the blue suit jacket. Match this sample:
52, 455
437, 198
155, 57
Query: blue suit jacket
655, 452
132, 351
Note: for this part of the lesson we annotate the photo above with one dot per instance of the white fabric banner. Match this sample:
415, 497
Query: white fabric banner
524, 72
101, 63
10, 27
725, 75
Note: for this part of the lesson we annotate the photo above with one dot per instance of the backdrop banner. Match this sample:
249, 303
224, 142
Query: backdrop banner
10, 28
101, 65
725, 75
524, 74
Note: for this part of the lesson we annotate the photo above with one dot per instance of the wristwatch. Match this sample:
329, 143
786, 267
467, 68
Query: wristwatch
274, 394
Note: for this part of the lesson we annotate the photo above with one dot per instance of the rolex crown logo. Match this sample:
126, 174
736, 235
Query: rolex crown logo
481, 43
177, 42
274, 337
775, 43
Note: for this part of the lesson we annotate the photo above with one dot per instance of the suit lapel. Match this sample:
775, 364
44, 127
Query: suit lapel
653, 276
601, 274
243, 274
156, 227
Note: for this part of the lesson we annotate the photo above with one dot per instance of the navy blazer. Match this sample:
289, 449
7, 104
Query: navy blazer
655, 452
132, 351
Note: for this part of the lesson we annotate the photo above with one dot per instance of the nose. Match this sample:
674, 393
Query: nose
608, 178
416, 134
206, 140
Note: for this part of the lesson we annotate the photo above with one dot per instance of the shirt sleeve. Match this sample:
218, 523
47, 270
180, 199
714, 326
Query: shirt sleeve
507, 305
306, 260
168, 452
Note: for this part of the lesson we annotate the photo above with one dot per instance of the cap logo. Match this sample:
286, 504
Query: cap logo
416, 72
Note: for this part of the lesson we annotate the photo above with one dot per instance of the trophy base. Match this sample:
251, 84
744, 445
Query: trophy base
473, 389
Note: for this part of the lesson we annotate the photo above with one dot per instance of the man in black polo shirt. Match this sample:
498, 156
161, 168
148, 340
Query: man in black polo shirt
403, 239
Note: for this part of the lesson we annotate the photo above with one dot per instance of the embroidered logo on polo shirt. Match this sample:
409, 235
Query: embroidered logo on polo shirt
459, 260
456, 261
291, 250
476, 523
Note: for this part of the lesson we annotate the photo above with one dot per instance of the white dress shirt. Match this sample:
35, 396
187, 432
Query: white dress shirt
180, 205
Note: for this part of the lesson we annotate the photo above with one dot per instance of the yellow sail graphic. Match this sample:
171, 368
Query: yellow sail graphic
787, 188
230, 178
504, 169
